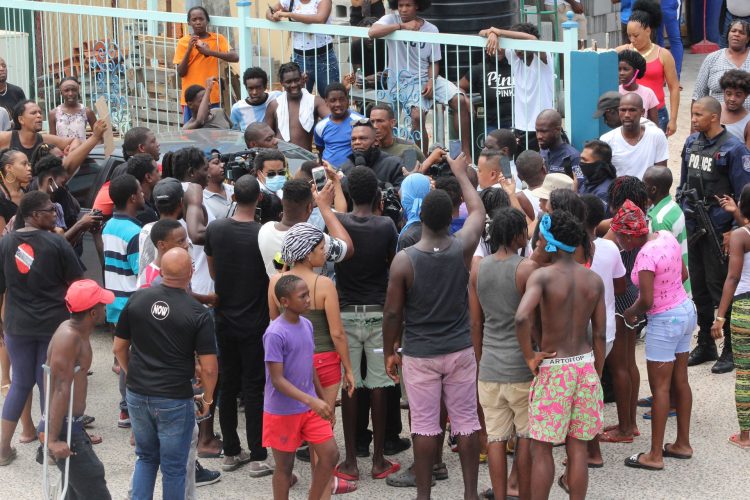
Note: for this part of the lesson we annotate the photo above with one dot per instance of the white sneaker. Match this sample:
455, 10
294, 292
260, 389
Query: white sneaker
231, 463
259, 469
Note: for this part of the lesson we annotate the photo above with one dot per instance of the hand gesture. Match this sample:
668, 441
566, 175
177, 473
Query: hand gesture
331, 173
348, 384
212, 300
630, 317
324, 198
99, 128
458, 165
202, 47
60, 450
576, 7
193, 40
210, 82
392, 363
727, 203
322, 408
349, 81
508, 185
202, 409
717, 329
491, 46
534, 362
90, 220
427, 90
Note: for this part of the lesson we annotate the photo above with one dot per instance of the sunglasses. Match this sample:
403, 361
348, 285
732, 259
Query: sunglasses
50, 209
273, 173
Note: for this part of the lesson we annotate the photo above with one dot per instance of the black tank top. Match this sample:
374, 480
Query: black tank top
15, 143
437, 304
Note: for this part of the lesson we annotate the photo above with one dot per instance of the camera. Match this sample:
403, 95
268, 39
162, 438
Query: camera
238, 164
391, 204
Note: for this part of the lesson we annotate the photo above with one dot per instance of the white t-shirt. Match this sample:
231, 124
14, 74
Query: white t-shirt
201, 282
535, 88
608, 265
307, 41
409, 60
634, 160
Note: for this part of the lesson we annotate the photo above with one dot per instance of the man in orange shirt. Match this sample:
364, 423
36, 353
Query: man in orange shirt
197, 56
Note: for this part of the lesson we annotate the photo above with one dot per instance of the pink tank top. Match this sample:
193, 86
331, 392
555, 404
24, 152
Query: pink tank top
654, 78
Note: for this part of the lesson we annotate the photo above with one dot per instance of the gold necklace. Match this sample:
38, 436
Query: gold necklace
648, 52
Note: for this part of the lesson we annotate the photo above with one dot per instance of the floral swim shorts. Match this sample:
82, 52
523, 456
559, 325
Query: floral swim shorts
566, 400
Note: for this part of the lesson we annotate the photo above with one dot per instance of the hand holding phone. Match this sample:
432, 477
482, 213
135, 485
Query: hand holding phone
319, 177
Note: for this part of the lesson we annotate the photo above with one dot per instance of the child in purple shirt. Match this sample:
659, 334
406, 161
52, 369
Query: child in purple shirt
293, 409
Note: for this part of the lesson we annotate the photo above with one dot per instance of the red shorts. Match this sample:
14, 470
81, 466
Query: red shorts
328, 367
287, 432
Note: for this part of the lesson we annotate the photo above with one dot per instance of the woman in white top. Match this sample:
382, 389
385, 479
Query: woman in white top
315, 54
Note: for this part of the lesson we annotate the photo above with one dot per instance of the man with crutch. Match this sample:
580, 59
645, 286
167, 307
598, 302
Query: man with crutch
68, 362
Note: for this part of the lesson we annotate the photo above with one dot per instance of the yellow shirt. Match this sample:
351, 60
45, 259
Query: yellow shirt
201, 67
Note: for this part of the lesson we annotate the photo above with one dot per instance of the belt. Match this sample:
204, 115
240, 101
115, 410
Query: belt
362, 309
580, 358
313, 52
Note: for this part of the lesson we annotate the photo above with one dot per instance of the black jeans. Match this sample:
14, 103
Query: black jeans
707, 275
242, 368
393, 426
86, 480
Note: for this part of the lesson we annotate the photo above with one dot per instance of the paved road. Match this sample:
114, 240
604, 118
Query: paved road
717, 470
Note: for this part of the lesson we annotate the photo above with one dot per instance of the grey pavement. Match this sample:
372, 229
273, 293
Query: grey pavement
717, 469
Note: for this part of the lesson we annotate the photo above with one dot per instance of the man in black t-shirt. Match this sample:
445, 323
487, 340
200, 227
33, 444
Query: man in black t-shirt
493, 81
167, 328
238, 271
10, 94
361, 283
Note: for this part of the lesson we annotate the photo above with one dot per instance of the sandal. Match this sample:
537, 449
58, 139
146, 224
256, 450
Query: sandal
342, 486
636, 432
735, 440
645, 402
9, 459
405, 479
561, 484
670, 454
87, 420
606, 437
395, 467
633, 461
672, 413
590, 466
344, 475
32, 439
440, 471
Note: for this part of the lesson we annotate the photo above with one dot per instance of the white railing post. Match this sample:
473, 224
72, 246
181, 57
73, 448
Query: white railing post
153, 26
570, 41
245, 49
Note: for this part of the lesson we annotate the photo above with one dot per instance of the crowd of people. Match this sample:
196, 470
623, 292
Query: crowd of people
385, 275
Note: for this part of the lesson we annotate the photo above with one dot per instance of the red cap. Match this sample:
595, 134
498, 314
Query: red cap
84, 294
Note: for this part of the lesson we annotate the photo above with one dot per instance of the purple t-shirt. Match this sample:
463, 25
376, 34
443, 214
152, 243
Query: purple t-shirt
663, 257
293, 345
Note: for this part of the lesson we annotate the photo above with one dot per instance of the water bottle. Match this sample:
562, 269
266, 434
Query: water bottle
359, 78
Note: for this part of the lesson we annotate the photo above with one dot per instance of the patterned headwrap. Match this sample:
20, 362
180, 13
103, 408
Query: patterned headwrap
552, 243
299, 241
630, 220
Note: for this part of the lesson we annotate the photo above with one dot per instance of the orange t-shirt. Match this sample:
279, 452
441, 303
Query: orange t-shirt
201, 67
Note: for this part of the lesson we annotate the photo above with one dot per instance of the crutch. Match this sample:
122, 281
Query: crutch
45, 462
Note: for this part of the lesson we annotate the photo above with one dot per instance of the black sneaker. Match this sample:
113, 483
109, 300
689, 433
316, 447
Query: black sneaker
205, 477
703, 353
725, 364
393, 447
303, 453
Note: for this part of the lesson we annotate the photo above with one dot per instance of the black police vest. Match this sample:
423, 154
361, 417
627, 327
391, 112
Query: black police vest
706, 167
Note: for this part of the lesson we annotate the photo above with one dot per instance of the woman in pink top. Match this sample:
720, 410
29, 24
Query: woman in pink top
660, 65
658, 273
632, 66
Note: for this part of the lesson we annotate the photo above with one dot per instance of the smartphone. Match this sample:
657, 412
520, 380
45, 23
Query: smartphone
319, 176
505, 167
410, 159
454, 149
271, 10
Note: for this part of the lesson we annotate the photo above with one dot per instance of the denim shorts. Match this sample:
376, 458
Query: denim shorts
409, 93
669, 332
364, 332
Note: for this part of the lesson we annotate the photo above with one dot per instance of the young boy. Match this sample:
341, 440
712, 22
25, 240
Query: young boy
496, 285
293, 408
566, 394
665, 214
333, 134
166, 234
734, 116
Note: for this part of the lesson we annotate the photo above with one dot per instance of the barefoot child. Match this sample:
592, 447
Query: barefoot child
294, 410
566, 394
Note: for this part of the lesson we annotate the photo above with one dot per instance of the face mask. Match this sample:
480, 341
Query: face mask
589, 169
366, 157
275, 183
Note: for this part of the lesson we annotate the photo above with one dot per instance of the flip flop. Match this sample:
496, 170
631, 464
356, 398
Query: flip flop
590, 466
735, 440
645, 402
342, 486
9, 459
395, 467
633, 462
670, 454
606, 437
94, 438
440, 471
562, 484
672, 413
344, 475
24, 440
636, 432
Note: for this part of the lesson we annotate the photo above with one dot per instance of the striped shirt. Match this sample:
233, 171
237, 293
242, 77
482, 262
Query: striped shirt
667, 216
120, 237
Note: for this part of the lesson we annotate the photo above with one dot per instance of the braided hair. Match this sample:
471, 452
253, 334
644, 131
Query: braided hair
493, 199
568, 201
567, 228
630, 188
507, 224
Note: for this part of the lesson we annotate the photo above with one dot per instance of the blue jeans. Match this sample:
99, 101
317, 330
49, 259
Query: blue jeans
669, 332
322, 68
163, 429
663, 119
671, 21
728, 19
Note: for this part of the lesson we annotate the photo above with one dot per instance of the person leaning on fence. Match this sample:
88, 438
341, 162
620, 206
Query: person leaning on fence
70, 348
252, 109
198, 57
69, 119
413, 69
197, 101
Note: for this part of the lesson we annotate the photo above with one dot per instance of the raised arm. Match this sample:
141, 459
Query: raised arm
182, 66
52, 121
76, 156
336, 230
203, 109
320, 17
474, 225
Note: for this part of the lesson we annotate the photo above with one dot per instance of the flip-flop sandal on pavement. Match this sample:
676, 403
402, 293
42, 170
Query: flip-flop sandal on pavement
670, 454
7, 460
342, 486
395, 467
561, 484
735, 440
606, 437
633, 462
344, 475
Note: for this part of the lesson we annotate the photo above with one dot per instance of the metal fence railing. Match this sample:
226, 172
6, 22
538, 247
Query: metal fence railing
125, 53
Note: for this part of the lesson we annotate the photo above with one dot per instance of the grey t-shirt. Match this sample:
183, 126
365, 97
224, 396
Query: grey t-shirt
4, 120
409, 60
502, 360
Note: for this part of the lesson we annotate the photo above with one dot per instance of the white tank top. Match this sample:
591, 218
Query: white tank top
737, 129
533, 200
744, 285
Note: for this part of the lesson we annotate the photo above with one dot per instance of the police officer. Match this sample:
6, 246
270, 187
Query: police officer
714, 163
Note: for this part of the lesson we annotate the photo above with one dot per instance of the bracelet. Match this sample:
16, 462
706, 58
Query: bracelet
209, 403
719, 318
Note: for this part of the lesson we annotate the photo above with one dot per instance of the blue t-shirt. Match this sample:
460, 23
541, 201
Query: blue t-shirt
293, 345
335, 138
243, 114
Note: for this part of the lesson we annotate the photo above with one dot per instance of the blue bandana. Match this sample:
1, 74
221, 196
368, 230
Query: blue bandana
552, 243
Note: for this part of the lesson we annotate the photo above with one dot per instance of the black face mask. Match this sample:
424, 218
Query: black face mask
366, 157
597, 171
